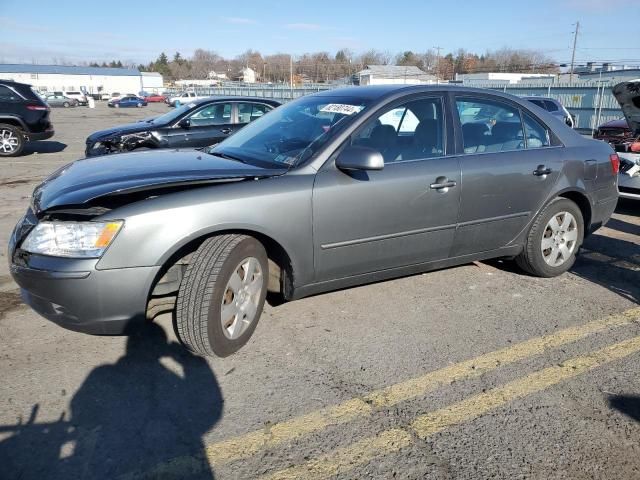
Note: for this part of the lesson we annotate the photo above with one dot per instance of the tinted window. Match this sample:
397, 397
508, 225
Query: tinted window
411, 131
248, 112
539, 103
489, 126
552, 107
537, 135
8, 95
214, 114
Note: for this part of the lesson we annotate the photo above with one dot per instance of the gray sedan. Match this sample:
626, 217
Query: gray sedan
332, 190
61, 101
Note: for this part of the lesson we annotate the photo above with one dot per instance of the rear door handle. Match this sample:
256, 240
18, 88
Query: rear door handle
226, 130
541, 171
442, 184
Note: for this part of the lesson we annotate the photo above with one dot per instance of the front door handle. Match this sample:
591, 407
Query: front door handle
442, 184
226, 130
541, 171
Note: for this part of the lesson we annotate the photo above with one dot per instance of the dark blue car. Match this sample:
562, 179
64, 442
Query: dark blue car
129, 101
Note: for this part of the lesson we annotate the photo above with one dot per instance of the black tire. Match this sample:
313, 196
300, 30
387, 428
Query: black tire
531, 259
198, 321
65, 104
14, 133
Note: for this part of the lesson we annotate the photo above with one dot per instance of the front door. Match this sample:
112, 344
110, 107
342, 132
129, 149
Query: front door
404, 214
508, 167
208, 125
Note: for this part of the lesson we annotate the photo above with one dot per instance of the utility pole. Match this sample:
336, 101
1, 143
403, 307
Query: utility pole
438, 63
573, 53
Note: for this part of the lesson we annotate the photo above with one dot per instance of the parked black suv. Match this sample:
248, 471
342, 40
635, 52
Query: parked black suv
196, 124
23, 117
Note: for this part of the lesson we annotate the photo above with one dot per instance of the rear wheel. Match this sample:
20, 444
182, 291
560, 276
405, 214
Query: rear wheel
139, 105
65, 104
12, 140
554, 240
222, 295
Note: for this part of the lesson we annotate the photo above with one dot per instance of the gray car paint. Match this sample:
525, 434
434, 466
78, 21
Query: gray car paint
333, 228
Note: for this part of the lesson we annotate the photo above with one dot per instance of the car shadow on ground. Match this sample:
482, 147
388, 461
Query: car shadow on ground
627, 404
139, 417
43, 146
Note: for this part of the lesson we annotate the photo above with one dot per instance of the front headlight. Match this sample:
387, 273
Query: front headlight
71, 239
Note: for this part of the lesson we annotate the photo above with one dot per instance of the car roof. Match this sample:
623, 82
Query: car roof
233, 98
381, 92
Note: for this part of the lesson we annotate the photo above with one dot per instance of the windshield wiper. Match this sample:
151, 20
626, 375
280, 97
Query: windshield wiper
226, 156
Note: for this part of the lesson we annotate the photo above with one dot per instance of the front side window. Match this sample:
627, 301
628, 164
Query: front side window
412, 131
214, 114
552, 107
489, 126
248, 112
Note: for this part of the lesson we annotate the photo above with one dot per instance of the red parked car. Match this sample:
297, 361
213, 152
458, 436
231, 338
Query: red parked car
617, 133
155, 97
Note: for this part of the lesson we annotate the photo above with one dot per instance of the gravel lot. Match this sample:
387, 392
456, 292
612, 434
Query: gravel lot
442, 375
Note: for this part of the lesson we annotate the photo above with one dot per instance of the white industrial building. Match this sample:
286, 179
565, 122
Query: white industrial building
394, 74
50, 78
502, 77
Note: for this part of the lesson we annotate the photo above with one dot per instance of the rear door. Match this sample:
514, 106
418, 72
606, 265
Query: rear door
366, 221
509, 164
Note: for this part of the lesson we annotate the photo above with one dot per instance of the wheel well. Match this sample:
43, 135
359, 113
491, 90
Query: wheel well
583, 204
11, 121
164, 288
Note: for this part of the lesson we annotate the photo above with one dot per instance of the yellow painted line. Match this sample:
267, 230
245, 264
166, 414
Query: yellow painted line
246, 445
347, 458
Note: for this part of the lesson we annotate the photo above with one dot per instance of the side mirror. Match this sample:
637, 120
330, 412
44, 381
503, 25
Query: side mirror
355, 157
184, 123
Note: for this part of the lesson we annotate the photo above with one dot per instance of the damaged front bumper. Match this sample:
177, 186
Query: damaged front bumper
122, 143
77, 295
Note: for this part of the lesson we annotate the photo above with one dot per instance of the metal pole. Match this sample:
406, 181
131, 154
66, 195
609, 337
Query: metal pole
573, 53
291, 74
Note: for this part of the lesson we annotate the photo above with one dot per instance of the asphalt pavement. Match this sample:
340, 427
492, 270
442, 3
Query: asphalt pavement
473, 372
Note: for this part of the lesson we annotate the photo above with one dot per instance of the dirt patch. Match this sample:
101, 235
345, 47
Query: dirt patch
13, 183
9, 301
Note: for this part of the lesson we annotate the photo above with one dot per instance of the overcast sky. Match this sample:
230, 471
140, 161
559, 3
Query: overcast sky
39, 31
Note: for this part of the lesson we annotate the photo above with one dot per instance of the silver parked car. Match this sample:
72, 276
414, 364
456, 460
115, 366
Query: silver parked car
554, 107
628, 96
57, 100
331, 190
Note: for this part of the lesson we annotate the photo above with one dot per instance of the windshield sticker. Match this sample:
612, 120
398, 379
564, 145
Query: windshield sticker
342, 108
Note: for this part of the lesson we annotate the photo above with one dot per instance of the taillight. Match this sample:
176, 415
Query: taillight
615, 163
635, 147
37, 107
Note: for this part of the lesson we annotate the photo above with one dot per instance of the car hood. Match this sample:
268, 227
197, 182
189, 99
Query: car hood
628, 96
84, 180
141, 126
620, 123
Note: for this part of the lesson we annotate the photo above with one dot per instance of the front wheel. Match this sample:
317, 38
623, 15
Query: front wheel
65, 104
553, 240
139, 105
222, 294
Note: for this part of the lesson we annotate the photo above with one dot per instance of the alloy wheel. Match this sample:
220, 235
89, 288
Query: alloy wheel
9, 141
241, 298
559, 239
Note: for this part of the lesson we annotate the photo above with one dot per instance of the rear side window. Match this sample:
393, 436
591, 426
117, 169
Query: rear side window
552, 107
539, 103
248, 112
537, 135
489, 126
8, 95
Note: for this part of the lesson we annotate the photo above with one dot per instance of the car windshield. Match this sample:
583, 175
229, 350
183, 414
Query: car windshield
292, 133
173, 114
